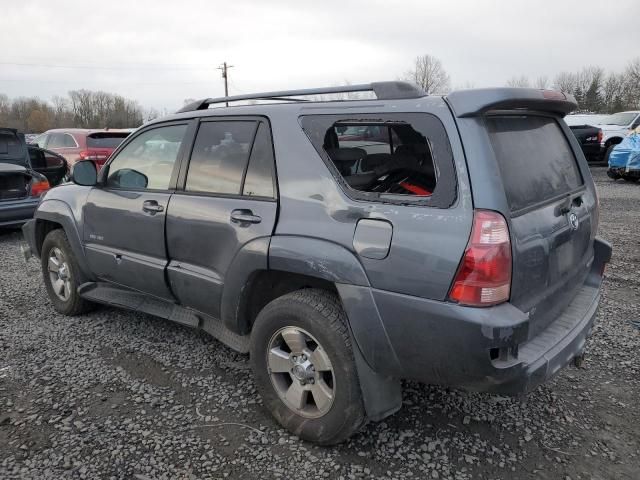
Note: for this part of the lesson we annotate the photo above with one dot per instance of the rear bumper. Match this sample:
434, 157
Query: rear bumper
591, 149
617, 172
480, 349
16, 212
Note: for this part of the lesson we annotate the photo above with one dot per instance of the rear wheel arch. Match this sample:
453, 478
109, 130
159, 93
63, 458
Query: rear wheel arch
268, 267
264, 286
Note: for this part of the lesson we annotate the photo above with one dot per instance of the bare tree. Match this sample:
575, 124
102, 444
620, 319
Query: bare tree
83, 108
632, 84
429, 74
613, 92
542, 82
565, 82
151, 114
521, 81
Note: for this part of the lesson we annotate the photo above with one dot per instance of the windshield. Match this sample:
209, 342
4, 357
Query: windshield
622, 119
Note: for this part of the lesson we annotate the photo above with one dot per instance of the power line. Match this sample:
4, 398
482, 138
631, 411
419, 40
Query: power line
99, 82
184, 66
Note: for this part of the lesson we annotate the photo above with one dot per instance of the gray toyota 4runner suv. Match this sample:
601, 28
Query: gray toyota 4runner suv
345, 245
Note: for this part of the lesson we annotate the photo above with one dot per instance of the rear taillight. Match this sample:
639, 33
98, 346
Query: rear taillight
38, 187
93, 155
484, 274
600, 136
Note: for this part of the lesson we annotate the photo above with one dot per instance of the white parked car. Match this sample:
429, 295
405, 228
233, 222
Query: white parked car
615, 127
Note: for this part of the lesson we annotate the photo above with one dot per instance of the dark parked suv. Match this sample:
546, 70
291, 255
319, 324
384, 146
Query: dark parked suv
457, 248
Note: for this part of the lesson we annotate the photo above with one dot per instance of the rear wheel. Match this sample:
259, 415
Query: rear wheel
61, 275
304, 367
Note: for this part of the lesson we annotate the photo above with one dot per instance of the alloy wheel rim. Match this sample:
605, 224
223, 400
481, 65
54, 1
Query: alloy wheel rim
59, 274
301, 372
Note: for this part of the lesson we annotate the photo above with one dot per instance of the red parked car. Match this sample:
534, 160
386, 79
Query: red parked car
76, 144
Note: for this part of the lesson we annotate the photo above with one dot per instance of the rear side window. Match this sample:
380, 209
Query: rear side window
395, 157
534, 157
106, 140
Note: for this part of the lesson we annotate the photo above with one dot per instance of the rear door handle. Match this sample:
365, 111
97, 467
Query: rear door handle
152, 206
243, 216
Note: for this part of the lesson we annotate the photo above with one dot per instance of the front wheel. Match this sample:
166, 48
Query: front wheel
305, 372
61, 275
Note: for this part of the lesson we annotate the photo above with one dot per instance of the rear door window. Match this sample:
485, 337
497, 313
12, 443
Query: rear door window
534, 157
219, 157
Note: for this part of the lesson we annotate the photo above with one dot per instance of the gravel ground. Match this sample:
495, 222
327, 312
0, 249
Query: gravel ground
120, 395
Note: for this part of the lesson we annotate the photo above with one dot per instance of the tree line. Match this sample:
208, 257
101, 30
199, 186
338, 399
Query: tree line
594, 89
80, 109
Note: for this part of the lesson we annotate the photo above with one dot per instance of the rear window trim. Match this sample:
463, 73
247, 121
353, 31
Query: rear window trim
556, 118
447, 182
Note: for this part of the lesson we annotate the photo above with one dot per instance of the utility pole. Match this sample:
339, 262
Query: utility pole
224, 67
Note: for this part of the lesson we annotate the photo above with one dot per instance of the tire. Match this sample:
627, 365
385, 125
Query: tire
613, 175
65, 298
318, 316
607, 153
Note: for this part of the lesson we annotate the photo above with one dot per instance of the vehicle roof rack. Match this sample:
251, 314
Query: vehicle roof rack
382, 90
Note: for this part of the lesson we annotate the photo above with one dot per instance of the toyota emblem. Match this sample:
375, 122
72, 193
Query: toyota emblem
573, 221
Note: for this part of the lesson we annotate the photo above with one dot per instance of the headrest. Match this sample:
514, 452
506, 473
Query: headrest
346, 154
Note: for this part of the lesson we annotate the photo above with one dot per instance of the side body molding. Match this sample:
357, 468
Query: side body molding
316, 258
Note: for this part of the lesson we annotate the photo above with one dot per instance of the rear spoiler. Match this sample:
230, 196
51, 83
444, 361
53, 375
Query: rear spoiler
469, 103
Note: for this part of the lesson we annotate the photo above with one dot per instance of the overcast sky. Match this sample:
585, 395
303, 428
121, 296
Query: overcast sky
160, 52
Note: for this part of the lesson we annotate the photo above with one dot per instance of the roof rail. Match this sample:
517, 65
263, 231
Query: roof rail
382, 90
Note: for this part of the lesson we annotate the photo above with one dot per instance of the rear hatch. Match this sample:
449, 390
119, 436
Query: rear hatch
552, 212
14, 178
100, 145
525, 163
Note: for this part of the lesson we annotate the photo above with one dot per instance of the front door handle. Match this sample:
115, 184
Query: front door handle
243, 216
152, 206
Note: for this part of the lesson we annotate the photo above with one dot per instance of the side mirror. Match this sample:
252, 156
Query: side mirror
85, 173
